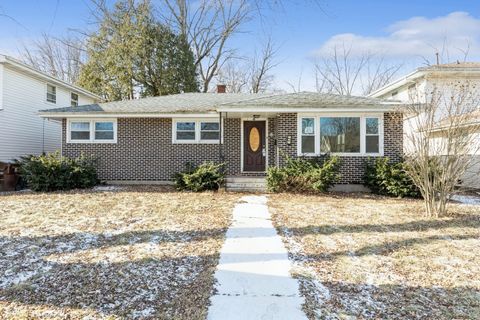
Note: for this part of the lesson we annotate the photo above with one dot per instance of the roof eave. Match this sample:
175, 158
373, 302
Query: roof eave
376, 108
63, 115
16, 64
397, 83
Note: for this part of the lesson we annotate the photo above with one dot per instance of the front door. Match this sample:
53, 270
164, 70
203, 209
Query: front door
254, 151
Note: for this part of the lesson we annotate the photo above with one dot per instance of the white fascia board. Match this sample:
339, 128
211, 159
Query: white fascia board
126, 115
397, 83
384, 108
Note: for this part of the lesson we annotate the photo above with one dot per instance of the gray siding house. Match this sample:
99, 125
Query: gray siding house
151, 139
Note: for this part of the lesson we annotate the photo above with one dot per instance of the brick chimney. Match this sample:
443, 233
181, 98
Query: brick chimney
221, 88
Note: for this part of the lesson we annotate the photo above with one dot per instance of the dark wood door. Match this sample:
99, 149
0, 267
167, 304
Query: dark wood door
254, 149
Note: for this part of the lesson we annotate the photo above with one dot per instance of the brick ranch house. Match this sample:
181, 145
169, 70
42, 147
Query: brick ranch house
150, 139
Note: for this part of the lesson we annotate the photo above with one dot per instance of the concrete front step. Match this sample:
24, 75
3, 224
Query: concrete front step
248, 184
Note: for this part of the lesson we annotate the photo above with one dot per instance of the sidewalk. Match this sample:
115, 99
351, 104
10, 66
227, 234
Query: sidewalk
253, 275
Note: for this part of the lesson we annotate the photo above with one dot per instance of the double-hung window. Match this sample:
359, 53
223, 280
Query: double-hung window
342, 134
372, 136
51, 93
92, 131
80, 131
73, 99
308, 135
209, 131
104, 130
185, 131
196, 131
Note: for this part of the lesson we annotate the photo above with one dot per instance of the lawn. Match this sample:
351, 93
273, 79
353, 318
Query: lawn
140, 252
372, 257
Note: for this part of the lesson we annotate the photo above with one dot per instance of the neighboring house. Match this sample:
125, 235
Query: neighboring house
153, 138
471, 124
23, 92
422, 81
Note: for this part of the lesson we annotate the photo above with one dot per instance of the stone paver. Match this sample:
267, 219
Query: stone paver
253, 275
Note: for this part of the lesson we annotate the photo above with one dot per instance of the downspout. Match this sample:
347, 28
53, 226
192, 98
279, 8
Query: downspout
277, 155
43, 136
220, 140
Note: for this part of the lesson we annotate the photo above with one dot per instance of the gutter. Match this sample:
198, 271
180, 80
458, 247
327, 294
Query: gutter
397, 83
61, 115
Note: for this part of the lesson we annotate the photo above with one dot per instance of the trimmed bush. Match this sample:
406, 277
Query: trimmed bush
53, 172
391, 179
207, 176
304, 175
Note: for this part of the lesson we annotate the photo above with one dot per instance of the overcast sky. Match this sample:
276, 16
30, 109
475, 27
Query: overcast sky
406, 31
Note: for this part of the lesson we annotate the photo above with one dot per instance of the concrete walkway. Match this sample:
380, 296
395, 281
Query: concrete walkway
253, 275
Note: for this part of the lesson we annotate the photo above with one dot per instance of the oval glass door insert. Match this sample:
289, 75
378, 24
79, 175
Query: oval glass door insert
254, 139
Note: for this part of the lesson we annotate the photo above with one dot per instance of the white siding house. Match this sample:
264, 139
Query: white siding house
422, 80
23, 92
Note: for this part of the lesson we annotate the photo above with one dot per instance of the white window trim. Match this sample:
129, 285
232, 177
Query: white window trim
362, 117
92, 130
78, 99
372, 134
197, 122
46, 93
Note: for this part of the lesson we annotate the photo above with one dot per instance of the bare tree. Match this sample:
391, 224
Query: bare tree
235, 76
441, 137
3, 14
250, 74
208, 25
296, 87
59, 57
344, 73
445, 53
261, 67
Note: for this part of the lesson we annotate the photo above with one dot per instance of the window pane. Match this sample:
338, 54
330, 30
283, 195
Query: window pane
308, 144
107, 126
80, 135
372, 125
51, 98
80, 126
371, 145
74, 99
340, 134
206, 135
308, 126
210, 126
103, 135
51, 89
186, 135
186, 126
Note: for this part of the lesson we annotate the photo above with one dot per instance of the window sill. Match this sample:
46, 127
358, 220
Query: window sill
340, 154
196, 142
91, 142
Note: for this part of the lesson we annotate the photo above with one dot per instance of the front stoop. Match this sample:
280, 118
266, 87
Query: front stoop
246, 184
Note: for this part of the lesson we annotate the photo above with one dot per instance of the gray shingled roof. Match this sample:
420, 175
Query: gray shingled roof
309, 100
210, 102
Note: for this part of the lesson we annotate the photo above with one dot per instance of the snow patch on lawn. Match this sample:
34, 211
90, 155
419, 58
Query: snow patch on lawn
305, 274
107, 188
464, 199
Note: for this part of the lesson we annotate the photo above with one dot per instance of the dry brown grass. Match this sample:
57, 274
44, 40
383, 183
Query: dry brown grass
141, 252
379, 258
